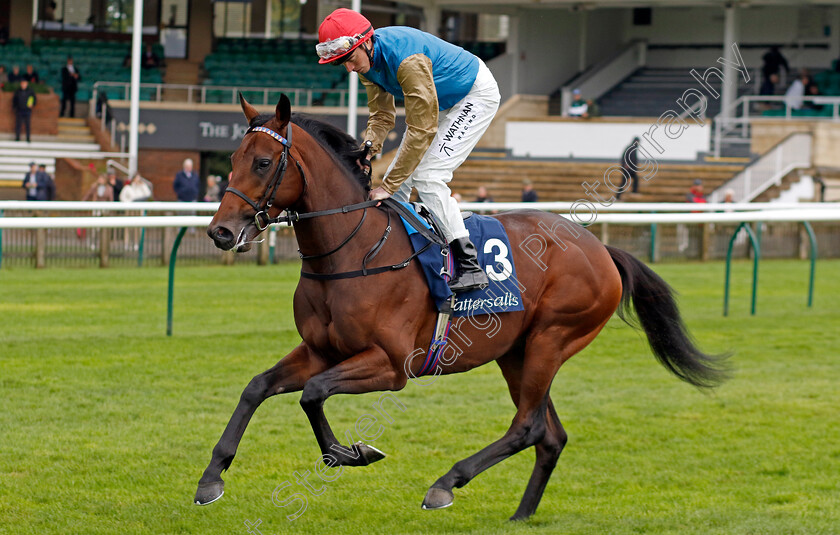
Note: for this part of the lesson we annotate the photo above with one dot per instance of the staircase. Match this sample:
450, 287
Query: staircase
180, 71
74, 131
15, 157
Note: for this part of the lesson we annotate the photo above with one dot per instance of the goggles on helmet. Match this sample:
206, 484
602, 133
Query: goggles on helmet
330, 50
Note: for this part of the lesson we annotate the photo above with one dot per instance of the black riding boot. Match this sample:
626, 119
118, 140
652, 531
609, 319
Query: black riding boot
470, 276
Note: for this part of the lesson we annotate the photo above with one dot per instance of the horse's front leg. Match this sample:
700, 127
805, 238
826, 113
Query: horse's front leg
369, 371
288, 375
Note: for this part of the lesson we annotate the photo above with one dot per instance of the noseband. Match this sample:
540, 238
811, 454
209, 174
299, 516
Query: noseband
261, 218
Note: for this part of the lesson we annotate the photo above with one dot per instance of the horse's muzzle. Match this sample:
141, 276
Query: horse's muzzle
222, 237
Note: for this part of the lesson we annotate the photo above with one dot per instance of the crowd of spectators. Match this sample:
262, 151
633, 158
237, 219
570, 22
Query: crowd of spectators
38, 184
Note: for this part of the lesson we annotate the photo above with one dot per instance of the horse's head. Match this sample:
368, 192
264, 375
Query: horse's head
262, 184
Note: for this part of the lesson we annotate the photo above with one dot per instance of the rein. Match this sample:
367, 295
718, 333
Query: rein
263, 221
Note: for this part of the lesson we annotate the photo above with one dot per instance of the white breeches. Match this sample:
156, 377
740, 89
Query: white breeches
459, 129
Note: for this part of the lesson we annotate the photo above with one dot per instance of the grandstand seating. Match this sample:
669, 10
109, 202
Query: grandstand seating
282, 64
96, 60
649, 92
562, 180
286, 64
828, 83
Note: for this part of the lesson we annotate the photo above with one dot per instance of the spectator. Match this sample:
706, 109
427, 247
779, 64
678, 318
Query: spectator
30, 182
630, 163
186, 183
115, 183
46, 186
768, 86
796, 91
100, 191
31, 75
4, 76
821, 185
150, 59
729, 195
137, 190
592, 108
457, 197
22, 102
212, 193
15, 76
695, 193
773, 61
70, 77
529, 194
481, 195
578, 107
813, 90
49, 10
102, 105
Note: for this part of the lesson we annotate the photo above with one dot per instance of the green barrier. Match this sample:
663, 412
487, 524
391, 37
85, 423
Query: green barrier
172, 257
813, 242
141, 245
756, 257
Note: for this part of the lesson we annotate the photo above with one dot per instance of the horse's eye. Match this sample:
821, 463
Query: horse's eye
265, 163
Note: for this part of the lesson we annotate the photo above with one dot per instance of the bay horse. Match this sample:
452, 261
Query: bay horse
358, 331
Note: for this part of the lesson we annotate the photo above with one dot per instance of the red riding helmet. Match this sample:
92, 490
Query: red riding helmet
341, 33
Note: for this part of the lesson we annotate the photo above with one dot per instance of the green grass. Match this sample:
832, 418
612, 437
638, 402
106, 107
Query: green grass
106, 424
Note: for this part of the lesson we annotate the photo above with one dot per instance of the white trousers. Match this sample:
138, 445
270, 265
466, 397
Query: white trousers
459, 129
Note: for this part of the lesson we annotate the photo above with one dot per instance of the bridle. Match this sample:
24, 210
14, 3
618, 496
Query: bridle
261, 218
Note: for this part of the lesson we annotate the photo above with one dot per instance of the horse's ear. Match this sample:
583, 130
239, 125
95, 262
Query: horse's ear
249, 111
283, 111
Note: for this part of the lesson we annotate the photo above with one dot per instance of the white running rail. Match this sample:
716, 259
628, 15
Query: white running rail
211, 207
832, 214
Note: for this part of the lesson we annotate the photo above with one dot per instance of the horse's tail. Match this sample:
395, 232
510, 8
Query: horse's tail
659, 316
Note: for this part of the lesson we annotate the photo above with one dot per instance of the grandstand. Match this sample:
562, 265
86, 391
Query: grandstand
244, 48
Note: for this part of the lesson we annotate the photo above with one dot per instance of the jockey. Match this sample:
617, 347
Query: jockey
450, 98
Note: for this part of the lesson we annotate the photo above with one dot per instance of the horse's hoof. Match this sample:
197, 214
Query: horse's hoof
438, 499
369, 453
208, 493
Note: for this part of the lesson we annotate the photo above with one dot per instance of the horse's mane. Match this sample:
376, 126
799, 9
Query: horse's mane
345, 149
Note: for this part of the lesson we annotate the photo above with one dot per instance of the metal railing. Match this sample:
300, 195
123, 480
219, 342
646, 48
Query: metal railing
733, 123
793, 152
258, 95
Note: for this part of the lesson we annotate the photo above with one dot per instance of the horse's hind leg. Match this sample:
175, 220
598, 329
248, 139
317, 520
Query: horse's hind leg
288, 375
548, 450
527, 429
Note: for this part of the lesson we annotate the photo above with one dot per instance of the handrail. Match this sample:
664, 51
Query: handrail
793, 152
198, 93
746, 111
625, 219
603, 76
212, 207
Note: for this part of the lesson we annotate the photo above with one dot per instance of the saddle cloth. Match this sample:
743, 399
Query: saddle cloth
494, 255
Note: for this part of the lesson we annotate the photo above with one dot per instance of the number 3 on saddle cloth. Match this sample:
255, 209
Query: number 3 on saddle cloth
494, 254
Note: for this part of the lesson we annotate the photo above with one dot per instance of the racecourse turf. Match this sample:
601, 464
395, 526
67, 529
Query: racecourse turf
106, 424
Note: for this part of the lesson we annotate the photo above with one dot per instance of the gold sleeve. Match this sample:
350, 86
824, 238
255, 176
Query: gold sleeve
421, 118
382, 117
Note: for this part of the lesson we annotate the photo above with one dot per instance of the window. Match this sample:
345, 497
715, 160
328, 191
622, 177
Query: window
231, 19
